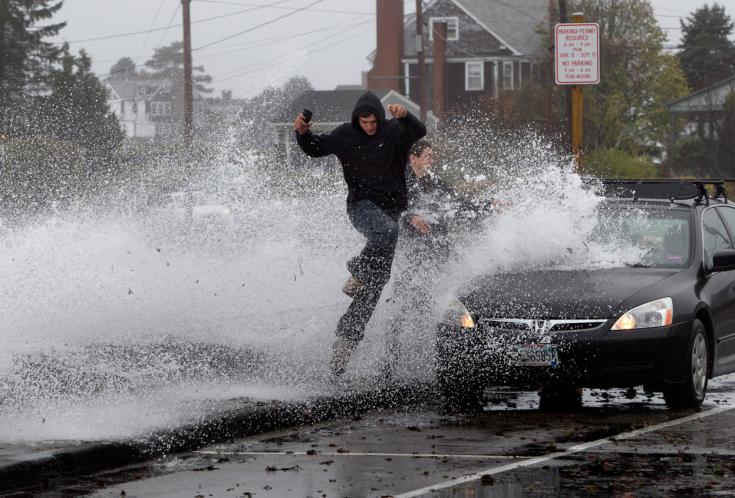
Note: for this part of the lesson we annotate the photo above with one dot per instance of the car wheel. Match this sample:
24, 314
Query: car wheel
691, 392
560, 398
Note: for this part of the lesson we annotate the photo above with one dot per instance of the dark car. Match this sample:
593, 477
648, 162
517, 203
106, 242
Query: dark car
665, 321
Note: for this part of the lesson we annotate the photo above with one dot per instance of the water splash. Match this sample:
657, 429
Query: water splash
119, 309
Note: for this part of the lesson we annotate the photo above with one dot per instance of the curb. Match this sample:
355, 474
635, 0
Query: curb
37, 473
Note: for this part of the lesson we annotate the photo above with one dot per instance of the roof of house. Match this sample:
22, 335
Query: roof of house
514, 23
335, 106
328, 106
145, 89
711, 98
136, 88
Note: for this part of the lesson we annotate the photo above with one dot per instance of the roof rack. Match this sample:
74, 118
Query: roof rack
669, 189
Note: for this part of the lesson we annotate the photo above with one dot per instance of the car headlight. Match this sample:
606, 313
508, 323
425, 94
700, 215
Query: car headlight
457, 314
657, 313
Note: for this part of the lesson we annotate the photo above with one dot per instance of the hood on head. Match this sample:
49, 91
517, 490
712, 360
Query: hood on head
371, 103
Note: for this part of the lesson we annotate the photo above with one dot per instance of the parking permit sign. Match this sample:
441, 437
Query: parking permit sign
577, 53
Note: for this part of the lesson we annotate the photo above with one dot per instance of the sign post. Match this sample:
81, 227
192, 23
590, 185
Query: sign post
577, 63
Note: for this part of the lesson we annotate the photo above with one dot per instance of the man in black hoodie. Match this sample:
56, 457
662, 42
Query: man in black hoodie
373, 152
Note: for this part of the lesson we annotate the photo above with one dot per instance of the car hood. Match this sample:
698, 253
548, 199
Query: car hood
574, 294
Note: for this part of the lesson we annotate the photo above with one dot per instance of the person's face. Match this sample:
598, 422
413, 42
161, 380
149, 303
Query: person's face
421, 164
369, 125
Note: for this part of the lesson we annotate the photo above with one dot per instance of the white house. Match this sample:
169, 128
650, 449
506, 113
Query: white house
135, 105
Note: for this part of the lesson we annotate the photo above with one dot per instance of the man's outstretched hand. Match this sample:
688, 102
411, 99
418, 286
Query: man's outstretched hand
300, 124
420, 224
397, 110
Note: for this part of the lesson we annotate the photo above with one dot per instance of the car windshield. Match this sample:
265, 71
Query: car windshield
660, 237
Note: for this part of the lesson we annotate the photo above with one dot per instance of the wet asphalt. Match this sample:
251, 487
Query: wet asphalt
618, 444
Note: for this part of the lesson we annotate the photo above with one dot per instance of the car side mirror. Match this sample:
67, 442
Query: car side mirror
723, 260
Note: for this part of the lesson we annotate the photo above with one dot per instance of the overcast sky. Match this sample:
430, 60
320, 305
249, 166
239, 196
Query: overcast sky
256, 43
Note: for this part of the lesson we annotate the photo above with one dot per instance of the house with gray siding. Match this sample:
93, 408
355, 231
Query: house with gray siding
491, 46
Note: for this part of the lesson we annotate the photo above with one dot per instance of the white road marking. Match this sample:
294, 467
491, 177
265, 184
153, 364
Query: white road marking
571, 450
350, 453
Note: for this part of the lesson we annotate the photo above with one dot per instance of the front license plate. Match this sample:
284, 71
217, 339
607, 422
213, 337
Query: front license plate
539, 356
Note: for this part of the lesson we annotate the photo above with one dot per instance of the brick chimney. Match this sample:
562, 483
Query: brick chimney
386, 72
439, 52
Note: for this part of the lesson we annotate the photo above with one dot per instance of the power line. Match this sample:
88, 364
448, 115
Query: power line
145, 41
170, 23
328, 11
265, 42
305, 46
274, 41
253, 28
261, 66
207, 19
671, 10
160, 44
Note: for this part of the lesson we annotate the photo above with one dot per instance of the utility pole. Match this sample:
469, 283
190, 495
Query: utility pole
188, 85
422, 59
188, 109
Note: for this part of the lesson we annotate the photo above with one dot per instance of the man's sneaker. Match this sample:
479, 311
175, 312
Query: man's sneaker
352, 286
342, 350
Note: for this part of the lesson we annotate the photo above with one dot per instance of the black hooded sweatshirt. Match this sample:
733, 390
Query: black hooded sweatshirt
373, 166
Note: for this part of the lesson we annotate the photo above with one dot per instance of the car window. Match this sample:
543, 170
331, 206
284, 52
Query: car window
728, 215
714, 235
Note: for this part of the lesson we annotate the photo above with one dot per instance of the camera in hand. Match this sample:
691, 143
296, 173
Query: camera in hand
307, 115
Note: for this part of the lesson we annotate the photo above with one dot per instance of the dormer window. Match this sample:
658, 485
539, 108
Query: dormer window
452, 27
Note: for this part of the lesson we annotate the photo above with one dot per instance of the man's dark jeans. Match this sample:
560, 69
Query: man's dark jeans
371, 267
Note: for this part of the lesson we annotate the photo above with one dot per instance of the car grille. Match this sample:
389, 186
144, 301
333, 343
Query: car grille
538, 327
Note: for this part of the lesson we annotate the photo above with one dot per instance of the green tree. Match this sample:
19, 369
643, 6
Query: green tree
627, 109
707, 54
123, 69
615, 163
25, 55
695, 156
38, 173
167, 63
272, 101
727, 138
76, 110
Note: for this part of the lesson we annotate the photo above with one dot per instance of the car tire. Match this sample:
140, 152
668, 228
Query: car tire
692, 391
560, 398
460, 392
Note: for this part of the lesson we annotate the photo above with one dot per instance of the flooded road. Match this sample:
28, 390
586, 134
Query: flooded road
619, 443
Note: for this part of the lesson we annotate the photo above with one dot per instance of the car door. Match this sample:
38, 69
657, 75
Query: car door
720, 288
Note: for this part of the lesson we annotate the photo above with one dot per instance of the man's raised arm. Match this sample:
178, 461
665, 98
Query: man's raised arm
413, 129
312, 145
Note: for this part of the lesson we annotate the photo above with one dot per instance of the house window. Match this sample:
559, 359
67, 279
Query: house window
452, 27
160, 108
507, 75
474, 77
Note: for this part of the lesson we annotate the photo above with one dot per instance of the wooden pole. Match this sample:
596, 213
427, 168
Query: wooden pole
422, 59
577, 110
550, 81
188, 83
